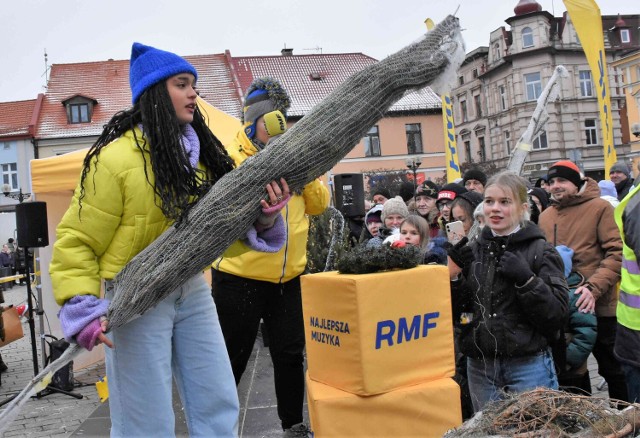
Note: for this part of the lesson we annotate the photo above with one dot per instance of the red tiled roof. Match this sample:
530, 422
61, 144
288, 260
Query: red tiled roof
295, 72
221, 81
107, 82
15, 117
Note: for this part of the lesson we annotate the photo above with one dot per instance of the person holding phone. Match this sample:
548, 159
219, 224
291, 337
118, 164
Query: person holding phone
509, 297
462, 209
446, 195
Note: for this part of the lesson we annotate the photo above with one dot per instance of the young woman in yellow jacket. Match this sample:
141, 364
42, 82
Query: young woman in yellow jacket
151, 163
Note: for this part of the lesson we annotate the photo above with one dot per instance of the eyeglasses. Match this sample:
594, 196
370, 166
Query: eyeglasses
444, 204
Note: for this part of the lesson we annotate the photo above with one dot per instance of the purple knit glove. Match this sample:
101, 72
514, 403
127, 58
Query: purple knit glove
89, 335
269, 240
79, 312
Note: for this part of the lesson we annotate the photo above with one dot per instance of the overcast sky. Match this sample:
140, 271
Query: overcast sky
95, 30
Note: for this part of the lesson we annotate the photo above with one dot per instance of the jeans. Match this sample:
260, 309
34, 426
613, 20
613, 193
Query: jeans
632, 375
179, 338
490, 378
608, 365
241, 303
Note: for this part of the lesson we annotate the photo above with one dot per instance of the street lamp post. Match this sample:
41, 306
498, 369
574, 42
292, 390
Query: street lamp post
413, 164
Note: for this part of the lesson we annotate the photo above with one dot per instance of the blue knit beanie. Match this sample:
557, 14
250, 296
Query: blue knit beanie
149, 66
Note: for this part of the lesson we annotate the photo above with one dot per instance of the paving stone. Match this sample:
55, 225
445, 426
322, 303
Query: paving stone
58, 415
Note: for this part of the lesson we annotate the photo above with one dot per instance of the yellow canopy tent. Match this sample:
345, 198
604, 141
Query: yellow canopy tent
61, 172
53, 180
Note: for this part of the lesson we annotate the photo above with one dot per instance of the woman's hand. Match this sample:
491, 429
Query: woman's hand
102, 338
277, 195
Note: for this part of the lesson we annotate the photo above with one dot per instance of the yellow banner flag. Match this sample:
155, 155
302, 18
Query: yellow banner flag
585, 15
450, 145
451, 148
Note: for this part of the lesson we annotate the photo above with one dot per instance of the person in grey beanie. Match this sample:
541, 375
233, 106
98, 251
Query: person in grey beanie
621, 177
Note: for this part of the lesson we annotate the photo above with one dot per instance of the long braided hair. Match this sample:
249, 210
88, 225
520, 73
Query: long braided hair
177, 185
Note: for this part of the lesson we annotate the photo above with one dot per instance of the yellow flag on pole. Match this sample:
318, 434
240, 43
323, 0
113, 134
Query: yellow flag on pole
585, 15
451, 148
450, 145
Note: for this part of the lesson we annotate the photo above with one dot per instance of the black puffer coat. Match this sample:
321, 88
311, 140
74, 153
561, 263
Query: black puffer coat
507, 320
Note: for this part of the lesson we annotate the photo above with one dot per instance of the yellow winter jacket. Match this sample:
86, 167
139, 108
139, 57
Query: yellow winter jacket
118, 219
291, 260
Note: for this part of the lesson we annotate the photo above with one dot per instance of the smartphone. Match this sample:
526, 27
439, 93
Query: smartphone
455, 231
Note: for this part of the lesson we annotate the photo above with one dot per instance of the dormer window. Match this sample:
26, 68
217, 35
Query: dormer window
79, 113
79, 109
527, 37
625, 37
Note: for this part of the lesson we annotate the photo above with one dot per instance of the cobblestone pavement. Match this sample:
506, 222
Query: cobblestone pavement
59, 415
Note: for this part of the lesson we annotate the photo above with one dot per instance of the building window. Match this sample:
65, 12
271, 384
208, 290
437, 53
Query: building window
414, 138
541, 141
460, 80
533, 85
507, 142
591, 132
475, 73
79, 113
482, 152
625, 37
586, 87
10, 175
372, 142
467, 150
476, 100
502, 90
463, 111
6, 145
527, 37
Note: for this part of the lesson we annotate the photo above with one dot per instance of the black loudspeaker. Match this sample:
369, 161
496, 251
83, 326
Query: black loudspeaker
349, 189
31, 219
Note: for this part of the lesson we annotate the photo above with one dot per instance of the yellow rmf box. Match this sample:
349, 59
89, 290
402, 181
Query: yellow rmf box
372, 333
423, 410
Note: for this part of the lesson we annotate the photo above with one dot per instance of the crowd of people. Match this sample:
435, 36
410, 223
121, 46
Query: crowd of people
536, 279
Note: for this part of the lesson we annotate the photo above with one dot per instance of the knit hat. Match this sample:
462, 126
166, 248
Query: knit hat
428, 189
607, 188
476, 174
567, 170
474, 198
381, 191
541, 195
263, 96
450, 191
620, 167
374, 215
394, 206
149, 65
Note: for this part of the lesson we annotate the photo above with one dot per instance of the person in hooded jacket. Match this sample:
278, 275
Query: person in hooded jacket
373, 222
509, 297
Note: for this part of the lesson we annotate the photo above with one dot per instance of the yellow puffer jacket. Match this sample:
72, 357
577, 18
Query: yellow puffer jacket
291, 260
118, 219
